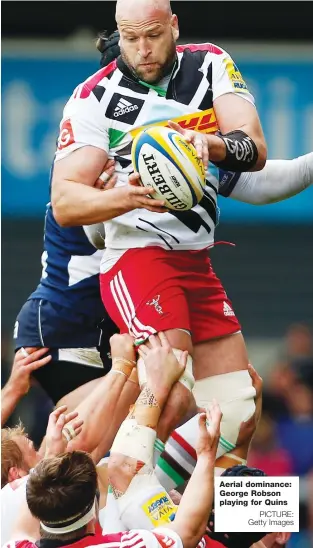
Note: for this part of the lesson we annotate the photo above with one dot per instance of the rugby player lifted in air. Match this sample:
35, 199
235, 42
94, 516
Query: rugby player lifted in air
251, 187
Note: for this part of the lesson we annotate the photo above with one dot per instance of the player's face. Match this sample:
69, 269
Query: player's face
148, 46
30, 455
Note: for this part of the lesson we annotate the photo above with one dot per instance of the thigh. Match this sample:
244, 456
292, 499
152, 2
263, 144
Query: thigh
211, 312
218, 356
143, 295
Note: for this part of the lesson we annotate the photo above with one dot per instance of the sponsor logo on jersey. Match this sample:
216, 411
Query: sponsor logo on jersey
124, 109
204, 122
234, 74
160, 509
66, 135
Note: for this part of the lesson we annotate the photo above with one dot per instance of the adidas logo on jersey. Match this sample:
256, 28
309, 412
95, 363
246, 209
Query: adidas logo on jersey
228, 311
123, 107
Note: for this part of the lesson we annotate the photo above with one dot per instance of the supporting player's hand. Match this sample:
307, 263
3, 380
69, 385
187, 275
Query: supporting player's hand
209, 432
162, 367
137, 196
24, 365
59, 432
107, 178
123, 355
199, 140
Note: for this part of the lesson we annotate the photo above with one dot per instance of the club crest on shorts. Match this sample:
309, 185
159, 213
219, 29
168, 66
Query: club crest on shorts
155, 303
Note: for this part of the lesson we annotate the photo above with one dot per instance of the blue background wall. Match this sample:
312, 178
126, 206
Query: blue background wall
34, 91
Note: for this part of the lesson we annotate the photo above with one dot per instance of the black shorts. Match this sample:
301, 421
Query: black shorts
42, 323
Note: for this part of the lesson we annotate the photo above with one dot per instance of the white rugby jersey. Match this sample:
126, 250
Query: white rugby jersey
108, 110
12, 496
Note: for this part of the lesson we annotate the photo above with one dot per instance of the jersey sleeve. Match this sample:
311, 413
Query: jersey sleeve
227, 78
82, 124
227, 181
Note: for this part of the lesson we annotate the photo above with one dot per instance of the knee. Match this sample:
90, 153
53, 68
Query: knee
236, 395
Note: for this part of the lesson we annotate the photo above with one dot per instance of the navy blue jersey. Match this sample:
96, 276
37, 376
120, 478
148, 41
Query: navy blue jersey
65, 310
71, 265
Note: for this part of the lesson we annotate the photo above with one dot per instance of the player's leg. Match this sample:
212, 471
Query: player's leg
143, 295
178, 460
220, 364
41, 323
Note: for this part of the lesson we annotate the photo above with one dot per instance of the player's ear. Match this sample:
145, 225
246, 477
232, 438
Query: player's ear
14, 474
282, 538
175, 27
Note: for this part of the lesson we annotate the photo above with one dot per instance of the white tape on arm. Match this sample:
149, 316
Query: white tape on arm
135, 441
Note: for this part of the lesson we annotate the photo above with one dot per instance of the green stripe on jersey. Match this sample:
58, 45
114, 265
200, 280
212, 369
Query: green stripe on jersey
170, 472
115, 137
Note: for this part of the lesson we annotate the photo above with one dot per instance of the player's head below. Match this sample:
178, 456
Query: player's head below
18, 454
62, 492
148, 35
275, 540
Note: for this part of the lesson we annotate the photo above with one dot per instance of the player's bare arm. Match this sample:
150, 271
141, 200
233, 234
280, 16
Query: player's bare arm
25, 362
196, 503
238, 121
104, 401
75, 199
234, 113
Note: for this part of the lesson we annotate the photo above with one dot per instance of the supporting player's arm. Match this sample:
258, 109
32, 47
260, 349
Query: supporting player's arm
196, 503
20, 378
279, 180
104, 401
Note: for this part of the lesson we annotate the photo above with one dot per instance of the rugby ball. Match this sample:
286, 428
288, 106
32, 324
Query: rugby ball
166, 162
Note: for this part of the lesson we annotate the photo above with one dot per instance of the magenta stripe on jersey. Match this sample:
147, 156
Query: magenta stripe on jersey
89, 85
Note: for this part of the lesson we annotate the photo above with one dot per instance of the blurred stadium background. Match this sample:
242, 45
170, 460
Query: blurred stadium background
47, 49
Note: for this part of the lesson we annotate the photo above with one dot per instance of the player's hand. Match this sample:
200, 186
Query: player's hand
107, 178
24, 365
123, 354
209, 432
136, 196
248, 428
59, 432
162, 367
199, 140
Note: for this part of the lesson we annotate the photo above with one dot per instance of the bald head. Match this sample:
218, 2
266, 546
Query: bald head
148, 34
141, 9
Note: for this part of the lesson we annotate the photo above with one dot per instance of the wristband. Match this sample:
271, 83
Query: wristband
241, 152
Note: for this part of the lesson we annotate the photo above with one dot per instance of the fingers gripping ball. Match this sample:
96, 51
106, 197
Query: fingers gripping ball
166, 162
